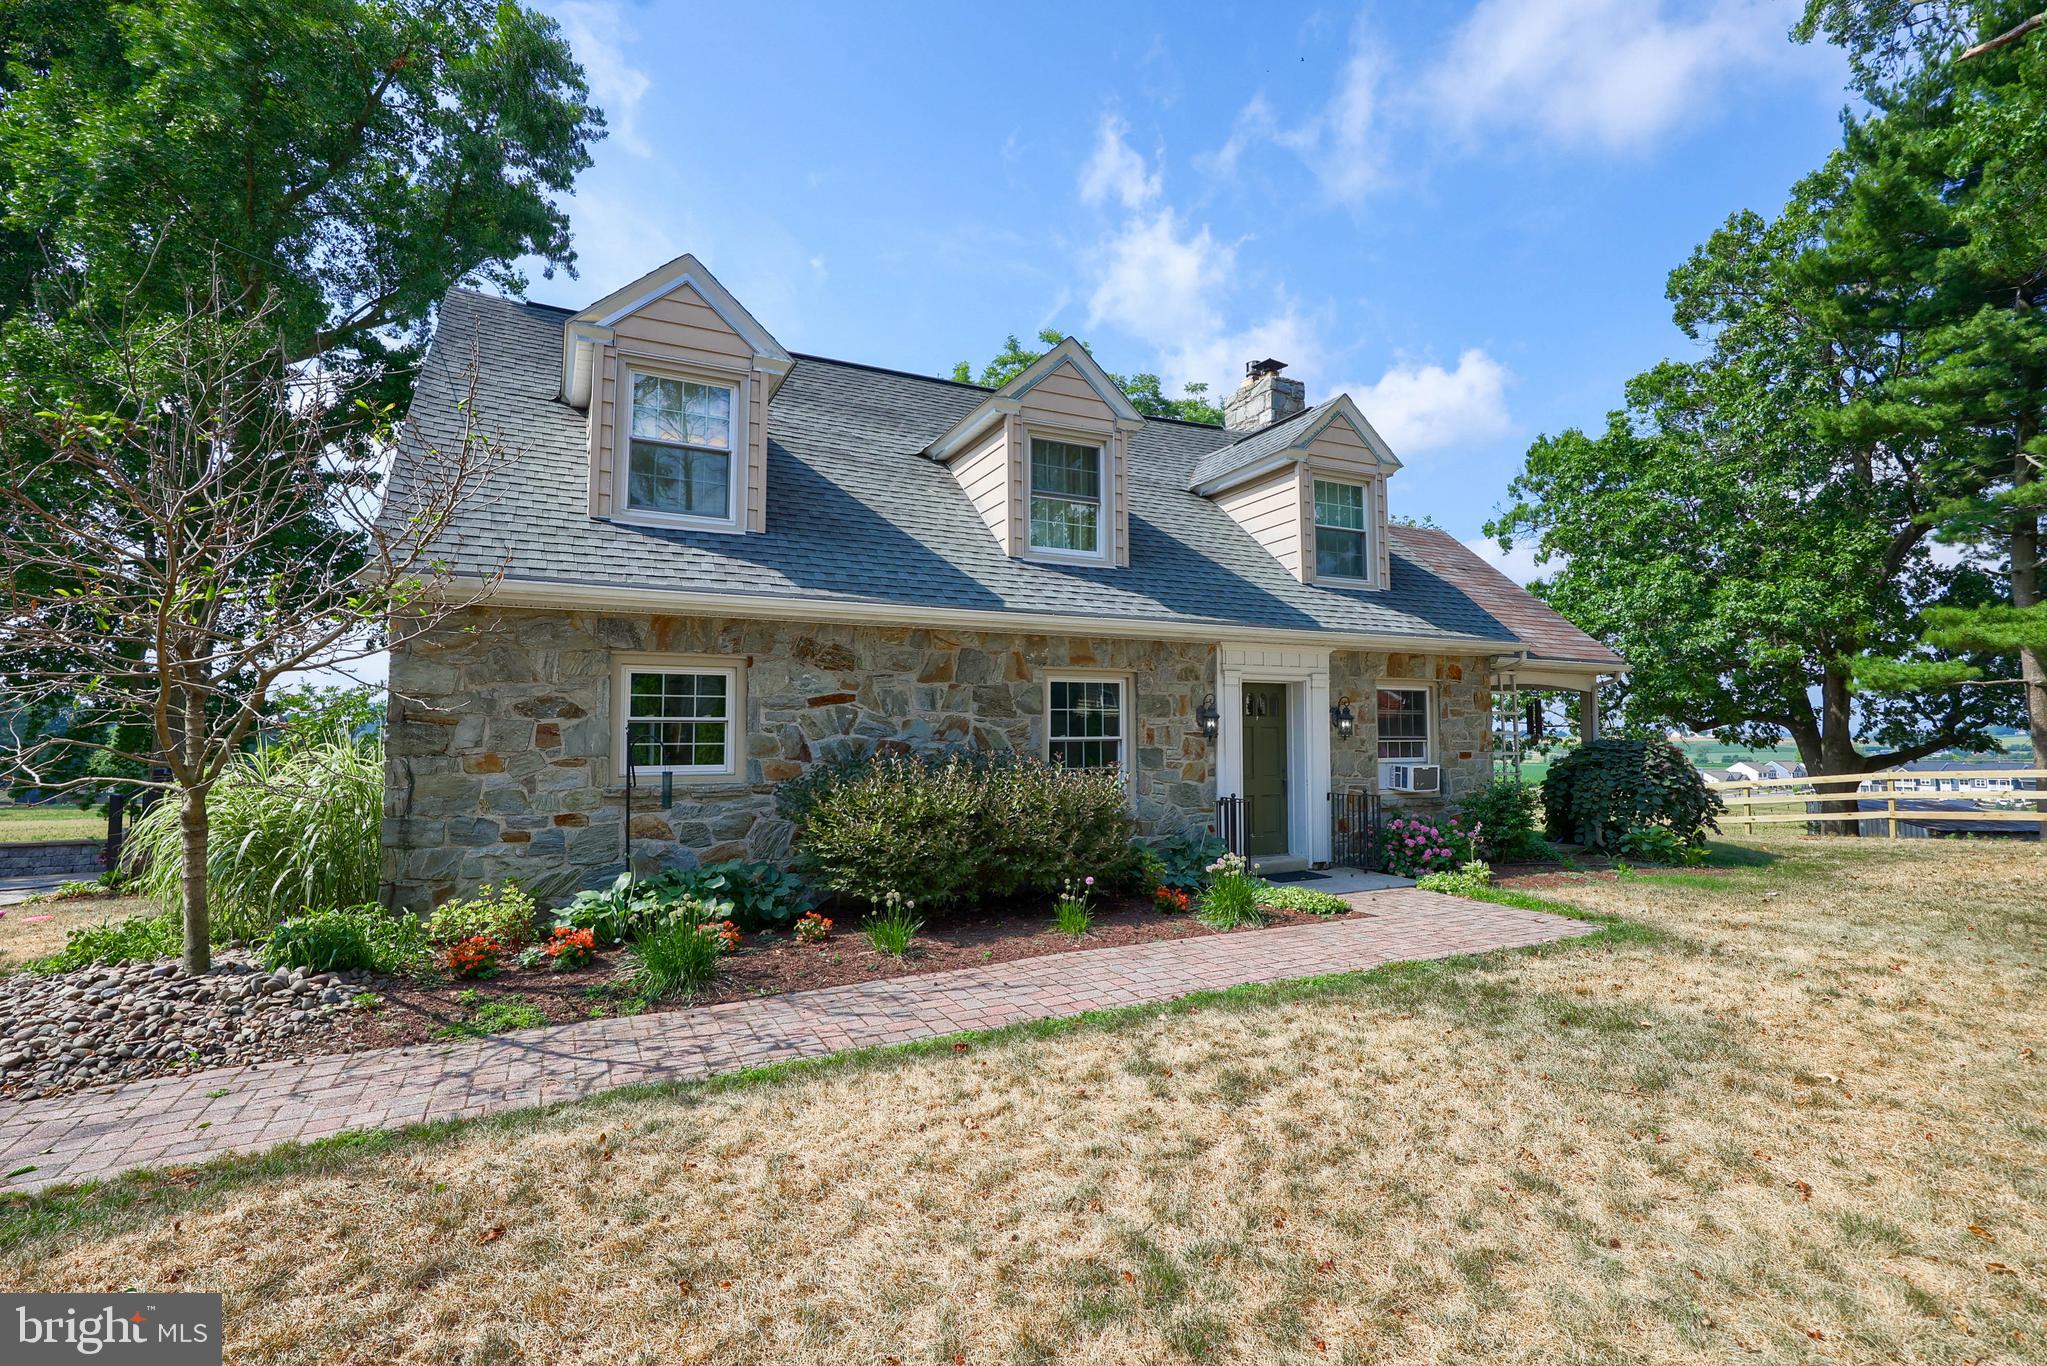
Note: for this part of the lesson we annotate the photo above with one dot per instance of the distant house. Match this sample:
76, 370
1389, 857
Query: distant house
1773, 770
1743, 771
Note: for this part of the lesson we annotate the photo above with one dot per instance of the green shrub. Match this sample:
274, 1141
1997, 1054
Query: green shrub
678, 956
753, 896
354, 938
1603, 789
1147, 871
137, 939
632, 906
956, 829
292, 825
1187, 858
1232, 896
1659, 844
1302, 900
1502, 818
1470, 880
504, 914
493, 1017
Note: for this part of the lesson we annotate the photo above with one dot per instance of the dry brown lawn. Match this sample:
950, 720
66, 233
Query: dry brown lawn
1805, 1121
25, 934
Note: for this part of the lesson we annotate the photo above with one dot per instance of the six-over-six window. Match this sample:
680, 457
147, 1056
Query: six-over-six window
1085, 723
1066, 497
1340, 531
680, 720
681, 448
1404, 724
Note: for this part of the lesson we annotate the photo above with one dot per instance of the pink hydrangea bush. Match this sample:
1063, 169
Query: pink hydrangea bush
1412, 846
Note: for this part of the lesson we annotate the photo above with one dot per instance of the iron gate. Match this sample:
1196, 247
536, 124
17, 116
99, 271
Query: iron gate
1354, 829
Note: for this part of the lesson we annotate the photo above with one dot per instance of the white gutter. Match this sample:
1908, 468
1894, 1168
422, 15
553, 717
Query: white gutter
585, 595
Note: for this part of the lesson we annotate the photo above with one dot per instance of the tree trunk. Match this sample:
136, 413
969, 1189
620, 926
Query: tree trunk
2025, 592
192, 846
1838, 755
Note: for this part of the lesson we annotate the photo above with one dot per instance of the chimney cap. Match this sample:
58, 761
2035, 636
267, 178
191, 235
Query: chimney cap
1258, 369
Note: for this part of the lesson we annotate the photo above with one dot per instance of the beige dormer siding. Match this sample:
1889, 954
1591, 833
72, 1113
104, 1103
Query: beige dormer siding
1338, 452
1064, 396
1277, 510
682, 333
984, 473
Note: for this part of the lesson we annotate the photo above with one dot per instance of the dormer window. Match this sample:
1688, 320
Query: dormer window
1340, 531
1066, 497
683, 434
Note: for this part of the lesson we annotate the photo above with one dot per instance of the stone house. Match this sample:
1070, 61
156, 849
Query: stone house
711, 564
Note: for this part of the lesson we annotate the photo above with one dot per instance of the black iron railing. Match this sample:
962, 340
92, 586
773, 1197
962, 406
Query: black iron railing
1354, 829
1229, 823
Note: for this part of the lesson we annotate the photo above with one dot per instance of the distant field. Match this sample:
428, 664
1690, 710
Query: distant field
2018, 753
50, 823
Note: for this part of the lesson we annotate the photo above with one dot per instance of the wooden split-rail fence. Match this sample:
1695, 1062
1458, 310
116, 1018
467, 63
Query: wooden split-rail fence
1935, 801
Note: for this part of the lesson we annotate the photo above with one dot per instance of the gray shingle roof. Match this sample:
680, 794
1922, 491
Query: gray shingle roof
1251, 449
857, 515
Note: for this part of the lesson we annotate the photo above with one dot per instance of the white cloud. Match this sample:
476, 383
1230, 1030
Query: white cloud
1157, 282
1116, 170
1344, 143
1615, 74
601, 37
1419, 407
1517, 564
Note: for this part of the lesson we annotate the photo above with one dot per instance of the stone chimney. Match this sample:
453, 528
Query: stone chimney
1263, 398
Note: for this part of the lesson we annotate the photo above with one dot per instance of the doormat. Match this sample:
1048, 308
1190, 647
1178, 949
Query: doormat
1295, 877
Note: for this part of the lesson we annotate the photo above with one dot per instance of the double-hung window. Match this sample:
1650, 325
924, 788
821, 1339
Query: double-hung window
1087, 723
1066, 497
681, 719
1404, 724
1340, 531
682, 432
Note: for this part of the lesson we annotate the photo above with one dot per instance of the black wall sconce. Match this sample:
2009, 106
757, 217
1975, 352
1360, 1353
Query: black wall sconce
1208, 716
1341, 717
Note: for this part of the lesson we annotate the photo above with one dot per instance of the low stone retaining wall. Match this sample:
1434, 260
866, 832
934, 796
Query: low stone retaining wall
31, 858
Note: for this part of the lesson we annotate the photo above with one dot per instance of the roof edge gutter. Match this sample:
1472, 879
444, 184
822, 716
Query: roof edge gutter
596, 596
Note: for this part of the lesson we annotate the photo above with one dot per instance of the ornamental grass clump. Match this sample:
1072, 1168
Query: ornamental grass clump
891, 928
677, 957
1230, 901
292, 825
1070, 912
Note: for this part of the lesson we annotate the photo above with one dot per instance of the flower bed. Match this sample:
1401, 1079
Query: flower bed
353, 1011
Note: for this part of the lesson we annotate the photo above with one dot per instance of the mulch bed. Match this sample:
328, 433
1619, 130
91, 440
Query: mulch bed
765, 964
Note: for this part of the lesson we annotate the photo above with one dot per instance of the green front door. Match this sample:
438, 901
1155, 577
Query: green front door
1265, 769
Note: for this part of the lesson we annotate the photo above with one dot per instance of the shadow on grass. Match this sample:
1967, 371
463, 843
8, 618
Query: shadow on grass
1455, 983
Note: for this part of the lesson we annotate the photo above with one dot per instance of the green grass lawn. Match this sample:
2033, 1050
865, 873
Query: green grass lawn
50, 823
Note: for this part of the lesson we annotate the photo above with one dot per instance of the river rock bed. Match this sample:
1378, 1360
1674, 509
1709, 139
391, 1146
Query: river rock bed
102, 1025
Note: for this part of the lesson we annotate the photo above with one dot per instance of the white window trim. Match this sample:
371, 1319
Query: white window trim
1428, 690
1102, 445
1126, 714
624, 666
1369, 530
740, 383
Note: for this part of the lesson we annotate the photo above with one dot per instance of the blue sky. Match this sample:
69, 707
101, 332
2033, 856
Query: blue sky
1462, 216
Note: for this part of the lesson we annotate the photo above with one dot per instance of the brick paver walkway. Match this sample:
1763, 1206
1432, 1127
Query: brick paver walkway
92, 1134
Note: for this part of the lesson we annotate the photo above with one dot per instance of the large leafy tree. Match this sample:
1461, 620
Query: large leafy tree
1959, 131
1145, 390
332, 165
1738, 541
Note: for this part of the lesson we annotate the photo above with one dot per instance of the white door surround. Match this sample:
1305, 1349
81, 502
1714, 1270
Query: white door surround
1306, 676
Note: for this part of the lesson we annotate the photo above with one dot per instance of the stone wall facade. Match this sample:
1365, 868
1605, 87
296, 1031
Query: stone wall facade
1462, 733
501, 762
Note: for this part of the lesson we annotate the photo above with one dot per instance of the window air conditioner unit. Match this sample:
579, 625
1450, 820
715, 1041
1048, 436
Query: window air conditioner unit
1410, 777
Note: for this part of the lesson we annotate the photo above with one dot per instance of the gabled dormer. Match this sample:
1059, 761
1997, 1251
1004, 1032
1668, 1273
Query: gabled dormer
676, 377
1046, 461
1308, 483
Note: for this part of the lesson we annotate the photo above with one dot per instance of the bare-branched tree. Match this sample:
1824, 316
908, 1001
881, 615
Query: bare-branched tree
183, 532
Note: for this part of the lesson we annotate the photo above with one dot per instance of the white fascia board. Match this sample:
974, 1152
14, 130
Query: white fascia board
1342, 406
962, 433
580, 345
1246, 473
584, 595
